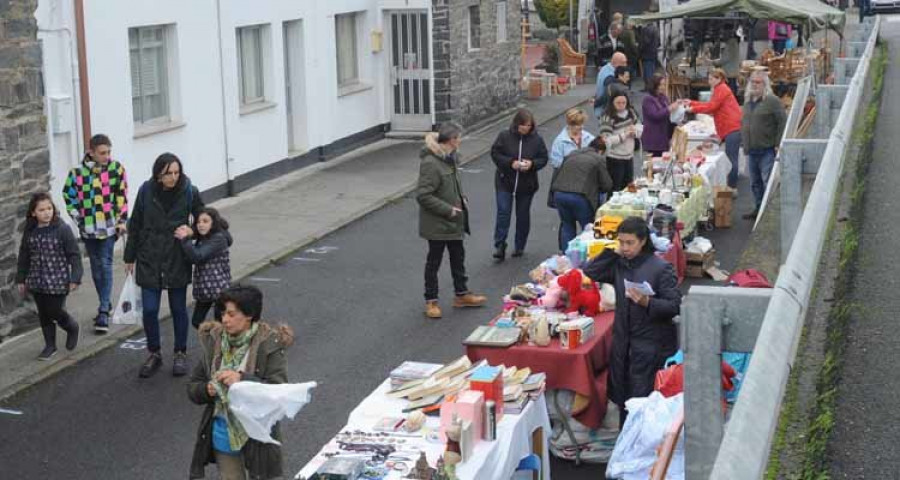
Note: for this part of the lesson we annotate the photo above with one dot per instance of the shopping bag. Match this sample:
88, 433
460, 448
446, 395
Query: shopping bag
645, 428
130, 309
259, 406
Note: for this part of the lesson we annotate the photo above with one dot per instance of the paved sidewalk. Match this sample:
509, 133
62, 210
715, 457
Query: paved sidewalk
272, 221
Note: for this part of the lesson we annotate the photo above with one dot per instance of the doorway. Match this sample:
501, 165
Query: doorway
410, 57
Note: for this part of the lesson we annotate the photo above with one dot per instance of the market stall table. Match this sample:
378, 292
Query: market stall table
582, 370
517, 437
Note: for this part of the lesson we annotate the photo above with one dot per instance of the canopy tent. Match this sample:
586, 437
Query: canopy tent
814, 13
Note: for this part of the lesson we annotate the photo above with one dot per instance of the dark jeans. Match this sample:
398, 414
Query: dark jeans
649, 70
865, 8
504, 216
100, 254
760, 163
52, 308
457, 267
621, 171
733, 152
572, 208
151, 298
201, 309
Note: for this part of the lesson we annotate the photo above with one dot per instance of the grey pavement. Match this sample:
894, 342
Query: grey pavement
270, 221
867, 420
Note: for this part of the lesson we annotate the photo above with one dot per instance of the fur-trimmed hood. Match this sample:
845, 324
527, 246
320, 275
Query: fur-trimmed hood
281, 334
434, 149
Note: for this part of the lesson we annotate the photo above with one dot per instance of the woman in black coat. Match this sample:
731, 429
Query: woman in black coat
519, 153
155, 257
644, 334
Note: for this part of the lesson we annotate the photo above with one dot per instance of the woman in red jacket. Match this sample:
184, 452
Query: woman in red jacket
726, 114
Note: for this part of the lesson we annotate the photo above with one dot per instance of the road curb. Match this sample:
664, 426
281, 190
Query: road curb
245, 273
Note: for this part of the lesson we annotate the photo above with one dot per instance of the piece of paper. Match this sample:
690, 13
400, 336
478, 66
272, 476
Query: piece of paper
642, 288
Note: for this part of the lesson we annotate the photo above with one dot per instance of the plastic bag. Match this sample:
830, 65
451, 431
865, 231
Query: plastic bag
645, 428
677, 116
130, 308
258, 406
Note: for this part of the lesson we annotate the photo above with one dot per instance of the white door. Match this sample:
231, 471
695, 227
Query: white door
295, 95
410, 70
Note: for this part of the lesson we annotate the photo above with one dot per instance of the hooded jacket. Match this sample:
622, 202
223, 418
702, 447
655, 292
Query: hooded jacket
584, 172
96, 197
438, 191
506, 150
212, 264
266, 363
642, 337
160, 261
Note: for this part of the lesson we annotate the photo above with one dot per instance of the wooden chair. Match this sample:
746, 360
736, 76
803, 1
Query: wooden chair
569, 57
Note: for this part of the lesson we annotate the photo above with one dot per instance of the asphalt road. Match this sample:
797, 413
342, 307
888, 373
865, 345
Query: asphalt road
355, 302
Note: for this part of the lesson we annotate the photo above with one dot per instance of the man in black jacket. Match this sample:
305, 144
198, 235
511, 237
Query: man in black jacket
519, 153
609, 44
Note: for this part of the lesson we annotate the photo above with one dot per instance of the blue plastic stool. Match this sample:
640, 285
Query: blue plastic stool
531, 463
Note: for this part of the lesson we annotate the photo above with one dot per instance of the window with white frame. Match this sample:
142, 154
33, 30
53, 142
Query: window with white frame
251, 64
474, 27
149, 54
345, 27
501, 21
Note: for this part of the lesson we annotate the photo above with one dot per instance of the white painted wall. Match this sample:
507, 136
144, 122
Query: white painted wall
199, 136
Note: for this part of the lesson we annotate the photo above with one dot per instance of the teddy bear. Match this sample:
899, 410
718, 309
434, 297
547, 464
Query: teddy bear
552, 297
584, 296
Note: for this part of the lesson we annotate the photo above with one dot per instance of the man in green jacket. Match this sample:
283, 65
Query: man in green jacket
761, 131
443, 217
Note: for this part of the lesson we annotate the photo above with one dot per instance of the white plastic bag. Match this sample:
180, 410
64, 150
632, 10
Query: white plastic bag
645, 428
130, 308
258, 406
677, 116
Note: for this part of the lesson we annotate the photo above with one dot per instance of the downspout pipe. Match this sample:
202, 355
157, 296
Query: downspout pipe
83, 87
229, 181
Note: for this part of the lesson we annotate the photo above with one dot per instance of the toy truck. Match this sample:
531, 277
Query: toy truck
607, 226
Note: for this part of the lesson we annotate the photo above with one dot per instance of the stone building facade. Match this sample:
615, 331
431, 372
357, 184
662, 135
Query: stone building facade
24, 157
476, 74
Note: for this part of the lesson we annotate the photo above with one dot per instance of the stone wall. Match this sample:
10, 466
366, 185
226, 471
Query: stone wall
24, 158
474, 84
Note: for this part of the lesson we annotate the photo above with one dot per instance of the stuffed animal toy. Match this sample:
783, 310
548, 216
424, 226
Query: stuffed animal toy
584, 297
552, 296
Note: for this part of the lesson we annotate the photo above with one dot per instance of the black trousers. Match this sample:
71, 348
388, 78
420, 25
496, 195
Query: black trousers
201, 309
621, 171
51, 312
457, 267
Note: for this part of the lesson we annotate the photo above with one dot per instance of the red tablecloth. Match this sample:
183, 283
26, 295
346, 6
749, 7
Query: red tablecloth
582, 370
676, 257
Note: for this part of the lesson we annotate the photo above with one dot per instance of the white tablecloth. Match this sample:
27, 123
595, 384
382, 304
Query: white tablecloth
495, 460
715, 169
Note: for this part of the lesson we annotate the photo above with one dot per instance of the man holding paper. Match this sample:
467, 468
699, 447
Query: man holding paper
647, 299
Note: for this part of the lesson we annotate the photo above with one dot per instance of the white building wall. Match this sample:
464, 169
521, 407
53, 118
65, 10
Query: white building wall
198, 134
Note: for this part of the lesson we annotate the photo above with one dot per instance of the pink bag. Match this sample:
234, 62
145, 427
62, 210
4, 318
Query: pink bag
750, 278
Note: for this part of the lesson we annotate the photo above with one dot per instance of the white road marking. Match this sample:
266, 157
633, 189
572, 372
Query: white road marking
321, 250
134, 344
304, 259
11, 412
264, 279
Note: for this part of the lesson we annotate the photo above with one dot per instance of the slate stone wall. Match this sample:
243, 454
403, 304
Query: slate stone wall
24, 158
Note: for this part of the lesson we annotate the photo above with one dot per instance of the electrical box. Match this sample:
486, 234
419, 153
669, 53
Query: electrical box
377, 41
62, 117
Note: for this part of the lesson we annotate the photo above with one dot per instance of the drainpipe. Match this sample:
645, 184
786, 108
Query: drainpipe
73, 63
83, 90
229, 182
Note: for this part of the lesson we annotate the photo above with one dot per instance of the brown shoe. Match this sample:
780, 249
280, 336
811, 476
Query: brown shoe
432, 309
469, 300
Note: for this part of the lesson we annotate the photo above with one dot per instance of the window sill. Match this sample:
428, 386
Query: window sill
353, 88
256, 107
149, 130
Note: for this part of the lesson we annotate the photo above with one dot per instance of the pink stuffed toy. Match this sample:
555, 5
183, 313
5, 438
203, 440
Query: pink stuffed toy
552, 295
584, 296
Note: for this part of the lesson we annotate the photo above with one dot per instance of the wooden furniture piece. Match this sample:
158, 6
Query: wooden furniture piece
568, 56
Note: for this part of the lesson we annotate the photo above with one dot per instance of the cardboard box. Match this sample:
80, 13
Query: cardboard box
699, 263
573, 333
468, 406
723, 200
489, 381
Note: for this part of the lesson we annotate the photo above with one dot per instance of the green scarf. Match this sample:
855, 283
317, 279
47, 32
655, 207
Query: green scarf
234, 349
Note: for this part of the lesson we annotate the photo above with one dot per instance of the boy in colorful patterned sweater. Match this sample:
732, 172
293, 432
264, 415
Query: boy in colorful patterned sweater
96, 196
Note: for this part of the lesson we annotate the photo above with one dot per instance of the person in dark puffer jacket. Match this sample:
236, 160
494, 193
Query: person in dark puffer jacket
49, 267
209, 254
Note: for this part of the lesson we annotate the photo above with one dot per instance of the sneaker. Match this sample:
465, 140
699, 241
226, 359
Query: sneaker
432, 309
151, 365
518, 253
180, 364
48, 352
73, 336
469, 300
101, 323
500, 252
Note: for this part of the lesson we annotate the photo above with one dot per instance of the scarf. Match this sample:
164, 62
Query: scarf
234, 351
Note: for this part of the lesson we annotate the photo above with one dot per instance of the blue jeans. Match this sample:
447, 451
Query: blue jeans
100, 254
572, 208
649, 70
504, 217
733, 152
760, 163
177, 304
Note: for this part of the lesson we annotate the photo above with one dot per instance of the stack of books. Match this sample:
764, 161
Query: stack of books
411, 372
517, 395
442, 382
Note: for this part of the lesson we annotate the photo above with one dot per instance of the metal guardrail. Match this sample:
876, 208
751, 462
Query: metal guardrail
746, 445
767, 322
